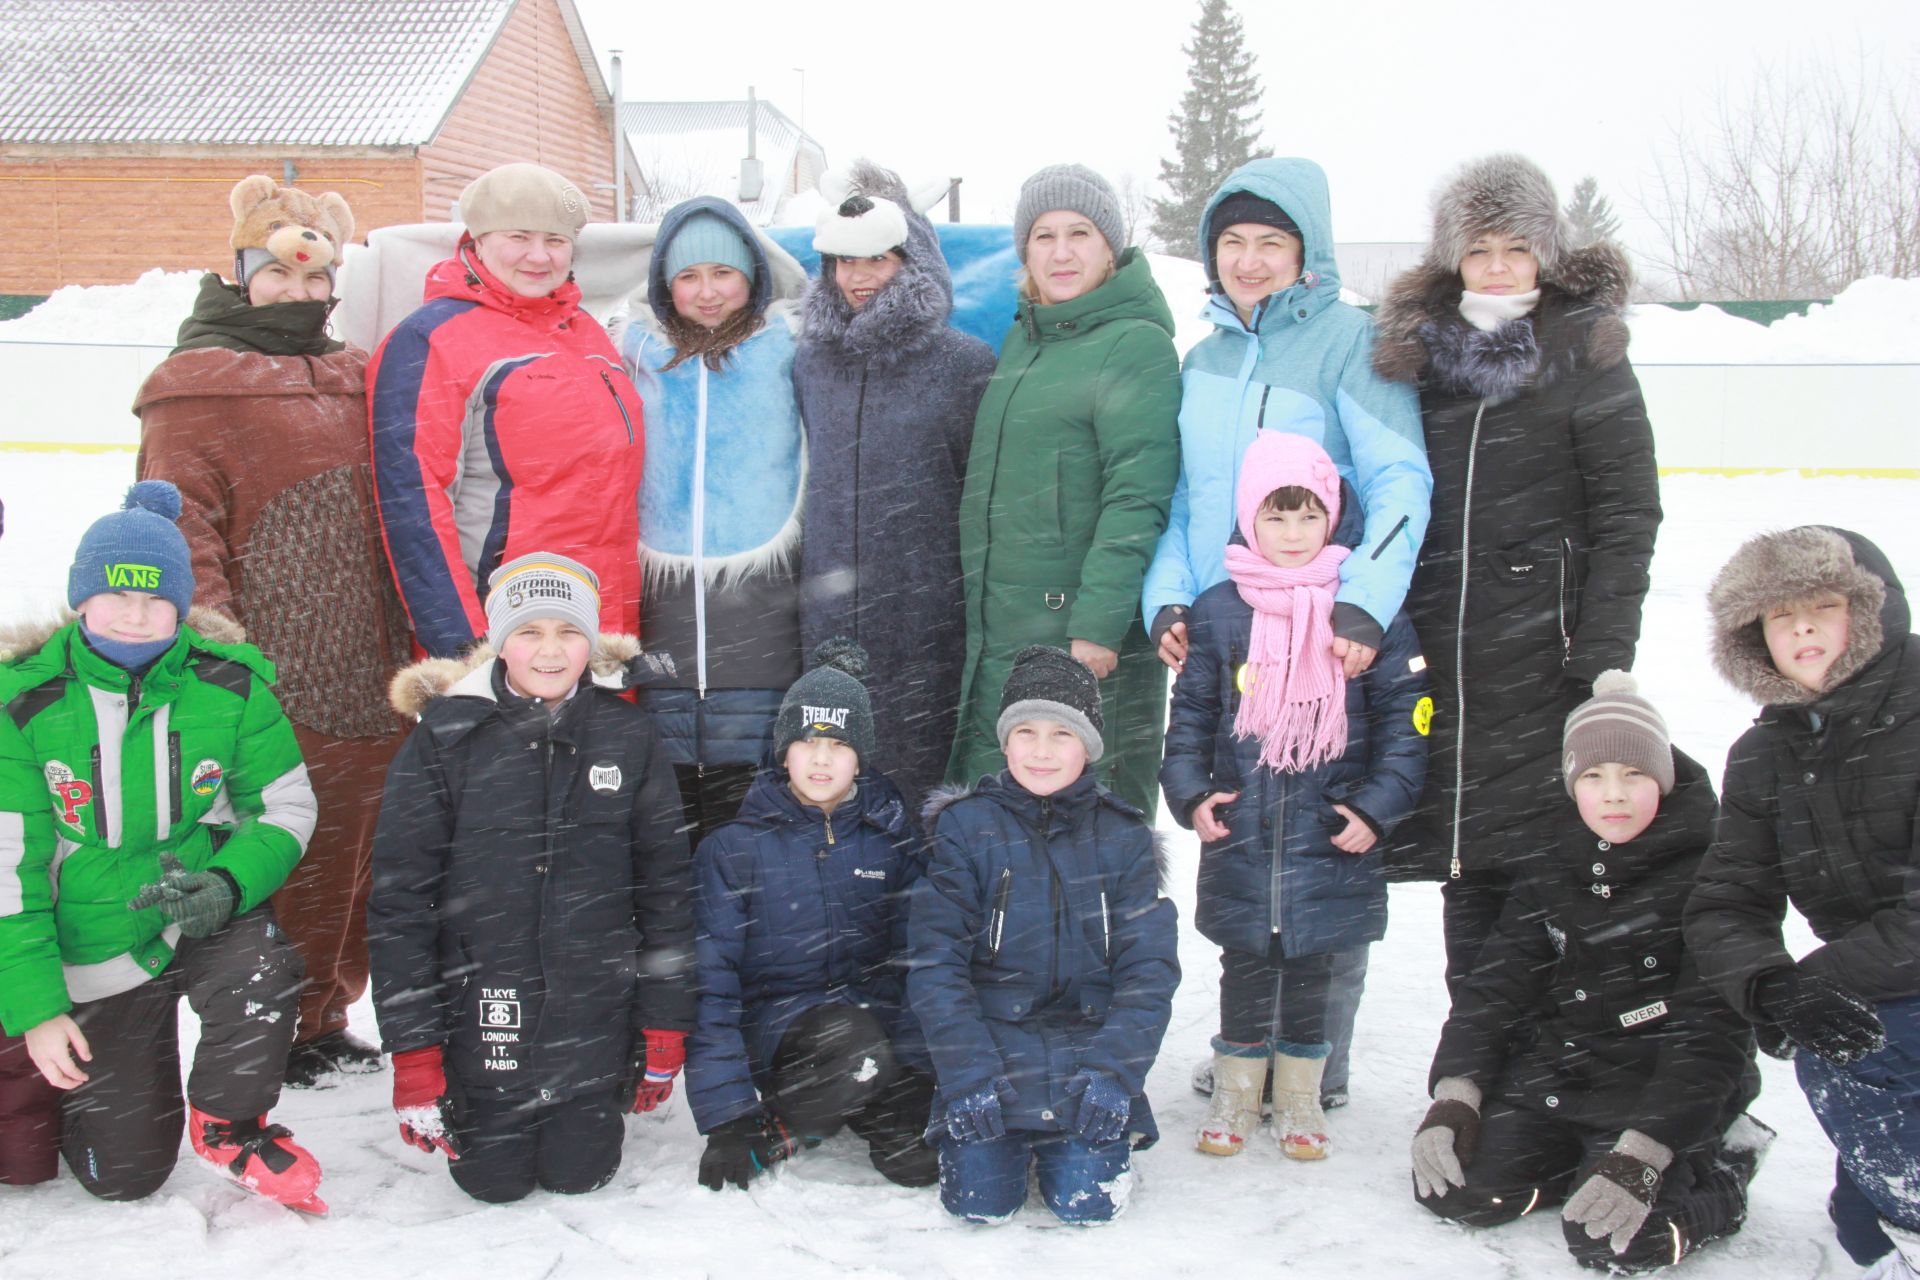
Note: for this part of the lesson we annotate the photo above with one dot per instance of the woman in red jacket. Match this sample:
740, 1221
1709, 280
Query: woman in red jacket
502, 421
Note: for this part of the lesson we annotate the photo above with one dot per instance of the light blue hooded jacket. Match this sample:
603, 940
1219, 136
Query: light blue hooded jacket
1305, 366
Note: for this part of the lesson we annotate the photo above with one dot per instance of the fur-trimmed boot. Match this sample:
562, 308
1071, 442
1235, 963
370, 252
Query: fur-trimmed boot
1239, 1073
1299, 1125
260, 1157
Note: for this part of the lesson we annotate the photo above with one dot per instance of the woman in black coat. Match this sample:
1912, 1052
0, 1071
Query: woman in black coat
887, 391
1545, 504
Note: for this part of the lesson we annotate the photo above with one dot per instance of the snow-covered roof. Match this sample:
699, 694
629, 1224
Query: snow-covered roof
316, 73
695, 148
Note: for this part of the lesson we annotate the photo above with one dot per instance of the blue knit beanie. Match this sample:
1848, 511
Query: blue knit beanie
708, 237
138, 548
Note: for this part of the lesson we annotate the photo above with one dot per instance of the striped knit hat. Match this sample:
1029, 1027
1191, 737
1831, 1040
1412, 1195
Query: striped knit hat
1617, 725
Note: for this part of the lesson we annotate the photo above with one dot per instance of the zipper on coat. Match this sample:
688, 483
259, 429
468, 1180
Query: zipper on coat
829, 825
100, 800
700, 549
1460, 648
1279, 849
1106, 929
1566, 637
618, 404
1388, 540
859, 420
133, 696
997, 922
173, 773
1266, 389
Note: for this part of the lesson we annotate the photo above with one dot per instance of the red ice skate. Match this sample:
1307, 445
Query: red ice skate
260, 1157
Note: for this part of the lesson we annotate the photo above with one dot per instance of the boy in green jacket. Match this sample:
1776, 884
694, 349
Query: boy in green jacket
152, 796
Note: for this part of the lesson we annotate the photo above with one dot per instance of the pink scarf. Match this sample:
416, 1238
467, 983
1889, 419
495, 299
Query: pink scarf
1293, 695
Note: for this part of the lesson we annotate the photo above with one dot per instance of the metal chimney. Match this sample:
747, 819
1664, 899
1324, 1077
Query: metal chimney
753, 178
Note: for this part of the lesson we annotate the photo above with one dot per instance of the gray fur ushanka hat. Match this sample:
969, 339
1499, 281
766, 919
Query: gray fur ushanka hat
1786, 567
1499, 193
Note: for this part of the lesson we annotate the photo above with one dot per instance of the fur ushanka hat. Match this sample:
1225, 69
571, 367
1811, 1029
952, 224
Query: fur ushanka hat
1777, 569
1501, 193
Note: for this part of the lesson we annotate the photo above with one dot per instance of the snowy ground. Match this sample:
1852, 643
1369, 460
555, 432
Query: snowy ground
828, 1214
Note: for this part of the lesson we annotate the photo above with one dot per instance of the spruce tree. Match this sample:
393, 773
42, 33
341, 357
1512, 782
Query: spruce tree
1590, 213
1215, 130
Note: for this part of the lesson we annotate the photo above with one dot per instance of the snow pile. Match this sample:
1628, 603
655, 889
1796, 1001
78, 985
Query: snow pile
1871, 321
147, 312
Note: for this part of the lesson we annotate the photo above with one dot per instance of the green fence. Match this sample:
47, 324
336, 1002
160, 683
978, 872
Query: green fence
15, 305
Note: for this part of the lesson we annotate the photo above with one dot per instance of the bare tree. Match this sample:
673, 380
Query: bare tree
1136, 208
1809, 182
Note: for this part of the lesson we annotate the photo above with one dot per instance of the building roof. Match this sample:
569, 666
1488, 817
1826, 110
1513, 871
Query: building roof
694, 148
310, 73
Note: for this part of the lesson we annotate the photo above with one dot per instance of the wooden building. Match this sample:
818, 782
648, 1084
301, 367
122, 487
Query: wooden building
123, 123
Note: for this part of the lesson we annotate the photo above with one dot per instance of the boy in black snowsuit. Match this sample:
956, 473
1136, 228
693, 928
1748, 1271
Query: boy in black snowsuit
1585, 1059
800, 910
1823, 809
530, 925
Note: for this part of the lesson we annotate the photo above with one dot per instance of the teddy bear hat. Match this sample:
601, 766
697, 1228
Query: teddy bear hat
285, 224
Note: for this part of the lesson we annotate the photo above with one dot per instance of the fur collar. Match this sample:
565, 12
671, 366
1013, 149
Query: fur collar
22, 639
1421, 337
907, 315
1781, 568
413, 688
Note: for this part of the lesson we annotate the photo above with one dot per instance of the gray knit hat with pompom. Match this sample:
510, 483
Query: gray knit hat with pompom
828, 701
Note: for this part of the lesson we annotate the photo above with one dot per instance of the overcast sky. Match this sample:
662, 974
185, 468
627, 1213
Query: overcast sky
1387, 96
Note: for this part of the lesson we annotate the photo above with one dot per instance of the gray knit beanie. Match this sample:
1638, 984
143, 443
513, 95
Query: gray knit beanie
1617, 726
1069, 186
1046, 683
530, 587
829, 701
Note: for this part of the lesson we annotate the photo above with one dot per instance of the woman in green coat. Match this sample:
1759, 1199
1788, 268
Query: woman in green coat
1075, 453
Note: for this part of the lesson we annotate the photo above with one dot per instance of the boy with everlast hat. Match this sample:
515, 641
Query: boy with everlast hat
1043, 963
801, 906
152, 797
1585, 1059
529, 926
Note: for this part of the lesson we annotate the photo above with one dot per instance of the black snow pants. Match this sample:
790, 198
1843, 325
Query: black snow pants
510, 1146
120, 1131
835, 1066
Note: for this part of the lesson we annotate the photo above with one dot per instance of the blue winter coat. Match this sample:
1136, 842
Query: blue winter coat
1317, 898
1040, 945
1305, 366
794, 908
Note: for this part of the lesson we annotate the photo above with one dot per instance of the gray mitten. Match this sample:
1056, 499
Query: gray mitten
1447, 1137
1619, 1193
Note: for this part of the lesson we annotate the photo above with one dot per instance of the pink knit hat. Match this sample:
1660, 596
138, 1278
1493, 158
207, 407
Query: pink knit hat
1276, 459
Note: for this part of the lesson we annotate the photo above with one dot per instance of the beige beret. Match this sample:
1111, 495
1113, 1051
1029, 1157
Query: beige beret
523, 197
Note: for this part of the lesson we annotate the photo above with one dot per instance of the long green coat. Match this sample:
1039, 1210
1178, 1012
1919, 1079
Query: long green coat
1075, 452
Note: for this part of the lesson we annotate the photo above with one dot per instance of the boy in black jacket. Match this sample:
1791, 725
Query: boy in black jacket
1584, 1053
1823, 809
530, 925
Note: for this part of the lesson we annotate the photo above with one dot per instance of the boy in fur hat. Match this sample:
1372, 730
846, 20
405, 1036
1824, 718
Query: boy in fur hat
530, 924
1291, 772
1043, 963
801, 906
1822, 808
1585, 1060
152, 798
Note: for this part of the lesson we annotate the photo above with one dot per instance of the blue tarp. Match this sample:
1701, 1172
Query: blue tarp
980, 257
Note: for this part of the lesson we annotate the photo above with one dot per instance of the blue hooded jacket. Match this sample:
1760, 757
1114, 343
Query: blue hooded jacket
1305, 365
794, 908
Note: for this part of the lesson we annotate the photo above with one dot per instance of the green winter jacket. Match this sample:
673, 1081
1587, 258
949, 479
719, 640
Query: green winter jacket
1075, 453
100, 773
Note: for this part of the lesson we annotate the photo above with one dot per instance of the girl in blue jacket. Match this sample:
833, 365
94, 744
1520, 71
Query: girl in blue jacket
1292, 773
1043, 963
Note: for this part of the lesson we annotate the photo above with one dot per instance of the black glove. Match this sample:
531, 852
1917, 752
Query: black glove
742, 1147
1774, 1042
646, 669
1821, 1017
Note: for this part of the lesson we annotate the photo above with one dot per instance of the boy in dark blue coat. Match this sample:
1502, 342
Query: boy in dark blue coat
1291, 773
800, 911
1043, 963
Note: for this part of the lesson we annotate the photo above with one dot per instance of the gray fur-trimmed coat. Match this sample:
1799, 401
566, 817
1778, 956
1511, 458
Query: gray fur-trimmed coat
888, 395
1545, 505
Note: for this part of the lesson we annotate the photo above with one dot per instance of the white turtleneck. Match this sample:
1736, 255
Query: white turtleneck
1488, 311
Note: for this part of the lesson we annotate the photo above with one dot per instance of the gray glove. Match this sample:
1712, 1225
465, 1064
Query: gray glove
1619, 1194
1447, 1137
198, 901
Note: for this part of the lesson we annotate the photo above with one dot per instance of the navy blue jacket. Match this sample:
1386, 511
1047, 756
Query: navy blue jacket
1315, 897
1041, 946
529, 909
794, 908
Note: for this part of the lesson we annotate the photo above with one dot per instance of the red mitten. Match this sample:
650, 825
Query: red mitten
666, 1054
420, 1101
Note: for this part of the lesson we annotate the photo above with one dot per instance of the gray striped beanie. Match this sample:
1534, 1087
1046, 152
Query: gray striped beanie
1617, 725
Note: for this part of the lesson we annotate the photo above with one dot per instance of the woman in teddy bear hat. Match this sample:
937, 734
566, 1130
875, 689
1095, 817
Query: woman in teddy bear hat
502, 421
260, 419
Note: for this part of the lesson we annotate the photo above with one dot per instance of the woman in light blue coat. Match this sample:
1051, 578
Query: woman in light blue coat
1287, 355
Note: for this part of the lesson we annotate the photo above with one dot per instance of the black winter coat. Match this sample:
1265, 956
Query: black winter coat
531, 907
1586, 1004
888, 395
795, 908
1535, 566
1040, 945
1260, 881
1822, 809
